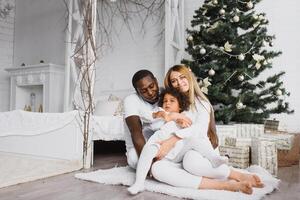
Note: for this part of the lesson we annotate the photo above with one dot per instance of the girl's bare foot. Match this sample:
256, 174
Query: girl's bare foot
242, 186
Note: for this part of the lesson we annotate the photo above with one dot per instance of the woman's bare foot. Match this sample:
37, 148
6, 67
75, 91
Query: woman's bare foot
253, 179
242, 186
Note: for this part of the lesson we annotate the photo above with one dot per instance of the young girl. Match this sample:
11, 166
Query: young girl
171, 102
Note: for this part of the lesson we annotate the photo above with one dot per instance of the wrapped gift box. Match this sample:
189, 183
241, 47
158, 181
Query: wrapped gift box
239, 157
283, 141
224, 131
234, 142
290, 157
249, 130
264, 154
239, 131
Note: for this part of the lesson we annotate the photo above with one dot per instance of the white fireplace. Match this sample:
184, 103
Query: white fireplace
38, 86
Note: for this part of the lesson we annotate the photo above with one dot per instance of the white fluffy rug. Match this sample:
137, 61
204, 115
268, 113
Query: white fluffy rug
18, 168
125, 176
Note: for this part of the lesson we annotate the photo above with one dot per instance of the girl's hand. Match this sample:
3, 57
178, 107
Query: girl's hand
159, 114
166, 146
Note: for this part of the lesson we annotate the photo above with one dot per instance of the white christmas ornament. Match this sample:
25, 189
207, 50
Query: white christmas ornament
269, 61
236, 18
278, 92
222, 11
211, 72
261, 17
249, 5
190, 38
239, 105
264, 43
271, 44
241, 77
215, 2
202, 51
241, 57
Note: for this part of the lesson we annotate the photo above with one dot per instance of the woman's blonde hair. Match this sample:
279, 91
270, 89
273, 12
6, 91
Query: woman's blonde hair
193, 93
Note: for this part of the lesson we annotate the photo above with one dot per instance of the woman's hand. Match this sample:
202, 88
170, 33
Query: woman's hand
183, 123
166, 146
182, 120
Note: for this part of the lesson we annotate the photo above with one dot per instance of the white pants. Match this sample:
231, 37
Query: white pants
189, 173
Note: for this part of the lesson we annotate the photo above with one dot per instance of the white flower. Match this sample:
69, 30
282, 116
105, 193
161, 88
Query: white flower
258, 57
257, 65
227, 47
204, 85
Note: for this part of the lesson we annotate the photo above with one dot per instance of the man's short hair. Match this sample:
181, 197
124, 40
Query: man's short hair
139, 75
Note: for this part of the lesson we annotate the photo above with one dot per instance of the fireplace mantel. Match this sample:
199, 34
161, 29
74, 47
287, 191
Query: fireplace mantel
45, 81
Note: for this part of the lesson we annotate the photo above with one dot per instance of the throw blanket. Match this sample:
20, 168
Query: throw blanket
126, 176
19, 122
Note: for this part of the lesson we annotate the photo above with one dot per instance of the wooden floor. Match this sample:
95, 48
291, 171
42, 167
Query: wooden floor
66, 187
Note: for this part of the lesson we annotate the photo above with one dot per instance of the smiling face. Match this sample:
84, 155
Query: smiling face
147, 88
170, 103
179, 81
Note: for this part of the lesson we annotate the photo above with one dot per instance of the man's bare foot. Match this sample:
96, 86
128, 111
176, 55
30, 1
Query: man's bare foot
253, 179
242, 186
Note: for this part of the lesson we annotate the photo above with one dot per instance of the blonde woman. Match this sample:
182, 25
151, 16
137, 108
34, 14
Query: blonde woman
195, 171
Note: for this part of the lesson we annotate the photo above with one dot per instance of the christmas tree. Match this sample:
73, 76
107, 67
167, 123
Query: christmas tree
229, 48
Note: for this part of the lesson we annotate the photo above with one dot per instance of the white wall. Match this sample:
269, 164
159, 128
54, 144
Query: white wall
284, 24
39, 32
130, 53
6, 55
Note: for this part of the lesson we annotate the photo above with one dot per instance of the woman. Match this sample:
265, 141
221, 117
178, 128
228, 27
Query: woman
196, 171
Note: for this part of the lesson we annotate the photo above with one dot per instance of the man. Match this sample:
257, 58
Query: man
145, 99
138, 132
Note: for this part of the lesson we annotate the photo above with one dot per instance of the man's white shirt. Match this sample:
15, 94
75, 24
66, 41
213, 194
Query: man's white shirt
134, 105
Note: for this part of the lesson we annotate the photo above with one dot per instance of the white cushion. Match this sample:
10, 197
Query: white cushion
111, 105
104, 107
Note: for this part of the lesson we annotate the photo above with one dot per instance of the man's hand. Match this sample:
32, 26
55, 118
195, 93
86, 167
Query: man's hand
166, 146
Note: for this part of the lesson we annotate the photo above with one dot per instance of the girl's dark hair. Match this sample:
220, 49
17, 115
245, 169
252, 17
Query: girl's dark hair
182, 99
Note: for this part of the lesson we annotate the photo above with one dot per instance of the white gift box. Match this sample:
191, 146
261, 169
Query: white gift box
264, 154
238, 156
283, 141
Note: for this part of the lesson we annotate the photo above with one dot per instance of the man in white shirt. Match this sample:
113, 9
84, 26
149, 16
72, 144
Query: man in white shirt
145, 98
